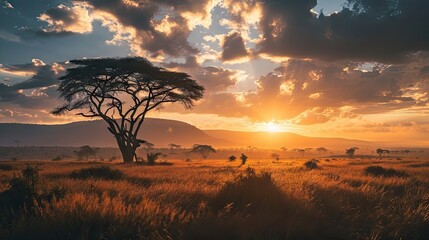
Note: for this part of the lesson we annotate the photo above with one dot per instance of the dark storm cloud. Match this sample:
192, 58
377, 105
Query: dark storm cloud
233, 47
385, 30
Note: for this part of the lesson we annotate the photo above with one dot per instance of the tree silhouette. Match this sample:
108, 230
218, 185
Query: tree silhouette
275, 156
173, 147
243, 159
284, 149
406, 151
321, 150
300, 150
232, 158
382, 152
204, 150
121, 91
146, 145
379, 151
351, 151
85, 152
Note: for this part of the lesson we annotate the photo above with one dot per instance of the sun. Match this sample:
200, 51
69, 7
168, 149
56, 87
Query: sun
272, 127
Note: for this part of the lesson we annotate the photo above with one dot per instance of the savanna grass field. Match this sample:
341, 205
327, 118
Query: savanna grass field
318, 197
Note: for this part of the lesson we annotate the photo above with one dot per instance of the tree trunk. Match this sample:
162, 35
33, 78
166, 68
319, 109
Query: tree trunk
127, 154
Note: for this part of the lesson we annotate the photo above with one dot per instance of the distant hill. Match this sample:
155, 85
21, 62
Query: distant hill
289, 140
161, 132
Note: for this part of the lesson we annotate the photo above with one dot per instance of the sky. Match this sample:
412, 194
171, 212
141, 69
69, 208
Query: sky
332, 68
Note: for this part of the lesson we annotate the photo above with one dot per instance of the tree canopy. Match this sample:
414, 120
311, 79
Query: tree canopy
121, 91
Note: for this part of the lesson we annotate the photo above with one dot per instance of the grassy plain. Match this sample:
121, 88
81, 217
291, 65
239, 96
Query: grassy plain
217, 199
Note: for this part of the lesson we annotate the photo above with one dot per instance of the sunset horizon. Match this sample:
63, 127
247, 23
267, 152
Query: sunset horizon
214, 119
253, 83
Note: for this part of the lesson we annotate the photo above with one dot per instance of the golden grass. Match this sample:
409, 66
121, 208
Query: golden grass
171, 202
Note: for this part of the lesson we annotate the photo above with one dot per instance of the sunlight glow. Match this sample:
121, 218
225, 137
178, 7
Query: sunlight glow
272, 127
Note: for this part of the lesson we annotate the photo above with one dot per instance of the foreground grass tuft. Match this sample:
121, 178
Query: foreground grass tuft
103, 172
254, 207
378, 171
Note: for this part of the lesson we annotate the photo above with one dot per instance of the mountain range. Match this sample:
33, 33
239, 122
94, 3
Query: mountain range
160, 132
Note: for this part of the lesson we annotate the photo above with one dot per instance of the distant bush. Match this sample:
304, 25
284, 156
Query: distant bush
312, 164
232, 158
6, 167
152, 157
103, 172
56, 158
243, 159
379, 171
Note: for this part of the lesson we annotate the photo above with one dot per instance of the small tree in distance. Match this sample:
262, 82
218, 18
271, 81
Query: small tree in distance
351, 151
173, 147
85, 152
121, 91
204, 150
275, 156
232, 158
243, 159
321, 150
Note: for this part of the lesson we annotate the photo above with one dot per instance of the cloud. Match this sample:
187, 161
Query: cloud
384, 31
214, 79
152, 29
63, 19
6, 4
41, 74
308, 92
36, 92
233, 48
9, 36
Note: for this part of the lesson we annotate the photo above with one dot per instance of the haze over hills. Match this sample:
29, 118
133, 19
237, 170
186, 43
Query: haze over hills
276, 140
161, 132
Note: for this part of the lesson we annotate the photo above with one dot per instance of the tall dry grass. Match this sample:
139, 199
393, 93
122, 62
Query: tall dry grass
208, 199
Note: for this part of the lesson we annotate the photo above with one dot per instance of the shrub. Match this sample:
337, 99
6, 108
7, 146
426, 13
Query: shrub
249, 191
312, 164
6, 167
56, 159
232, 158
103, 172
152, 157
243, 159
379, 171
26, 190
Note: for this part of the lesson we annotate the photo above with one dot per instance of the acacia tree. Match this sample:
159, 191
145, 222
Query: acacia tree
204, 150
351, 151
122, 91
85, 152
173, 147
321, 150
